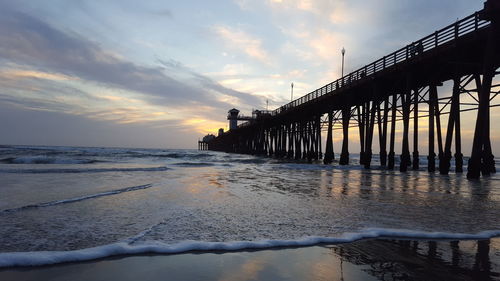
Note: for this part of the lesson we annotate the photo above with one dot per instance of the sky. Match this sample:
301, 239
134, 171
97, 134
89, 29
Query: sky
162, 74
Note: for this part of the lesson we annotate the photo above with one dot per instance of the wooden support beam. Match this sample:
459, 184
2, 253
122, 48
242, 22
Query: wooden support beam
453, 120
329, 141
405, 150
285, 140
382, 130
305, 139
458, 140
318, 138
379, 129
369, 134
277, 151
344, 155
266, 141
416, 159
366, 122
444, 163
383, 153
431, 158
438, 130
390, 160
361, 126
310, 140
276, 141
298, 140
315, 147
290, 140
482, 159
271, 141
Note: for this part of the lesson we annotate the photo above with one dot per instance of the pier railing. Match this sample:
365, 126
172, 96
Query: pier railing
452, 32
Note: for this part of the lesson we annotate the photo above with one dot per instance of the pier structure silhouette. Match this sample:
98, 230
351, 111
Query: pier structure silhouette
395, 89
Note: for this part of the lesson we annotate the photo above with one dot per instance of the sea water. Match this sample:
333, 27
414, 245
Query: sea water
60, 204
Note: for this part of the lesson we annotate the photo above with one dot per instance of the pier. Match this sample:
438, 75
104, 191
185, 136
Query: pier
402, 86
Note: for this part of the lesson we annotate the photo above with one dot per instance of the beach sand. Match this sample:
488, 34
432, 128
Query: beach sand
375, 259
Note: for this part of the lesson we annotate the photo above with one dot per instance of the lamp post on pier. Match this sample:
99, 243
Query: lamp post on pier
343, 53
291, 98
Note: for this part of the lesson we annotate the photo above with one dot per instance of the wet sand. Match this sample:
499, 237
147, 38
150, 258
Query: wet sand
376, 259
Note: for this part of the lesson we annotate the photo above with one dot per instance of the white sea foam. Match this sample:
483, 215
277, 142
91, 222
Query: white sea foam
15, 259
76, 199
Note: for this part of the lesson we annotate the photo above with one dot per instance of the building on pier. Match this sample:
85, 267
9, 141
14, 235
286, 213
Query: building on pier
204, 143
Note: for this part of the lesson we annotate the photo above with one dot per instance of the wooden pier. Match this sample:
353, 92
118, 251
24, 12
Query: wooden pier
399, 87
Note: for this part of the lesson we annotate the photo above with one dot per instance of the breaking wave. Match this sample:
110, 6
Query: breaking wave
17, 259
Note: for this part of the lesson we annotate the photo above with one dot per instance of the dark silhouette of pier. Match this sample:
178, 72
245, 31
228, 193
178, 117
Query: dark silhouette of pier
399, 87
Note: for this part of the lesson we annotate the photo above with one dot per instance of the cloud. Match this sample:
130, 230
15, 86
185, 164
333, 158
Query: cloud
20, 73
240, 40
29, 41
335, 11
98, 104
326, 44
207, 83
32, 89
45, 69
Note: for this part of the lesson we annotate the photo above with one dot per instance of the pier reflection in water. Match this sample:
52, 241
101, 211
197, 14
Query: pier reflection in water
424, 260
279, 200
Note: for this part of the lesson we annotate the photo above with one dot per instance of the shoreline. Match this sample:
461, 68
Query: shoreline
125, 248
366, 259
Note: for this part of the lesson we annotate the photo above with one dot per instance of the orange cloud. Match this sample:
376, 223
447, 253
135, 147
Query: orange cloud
202, 126
19, 73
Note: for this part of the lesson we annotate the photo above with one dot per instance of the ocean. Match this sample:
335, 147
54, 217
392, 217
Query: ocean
65, 204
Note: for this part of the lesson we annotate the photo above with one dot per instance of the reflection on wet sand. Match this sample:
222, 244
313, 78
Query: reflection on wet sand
423, 260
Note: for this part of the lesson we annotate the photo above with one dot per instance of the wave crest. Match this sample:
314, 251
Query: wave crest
16, 259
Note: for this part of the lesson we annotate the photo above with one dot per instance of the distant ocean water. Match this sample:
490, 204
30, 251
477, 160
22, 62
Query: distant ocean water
61, 204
